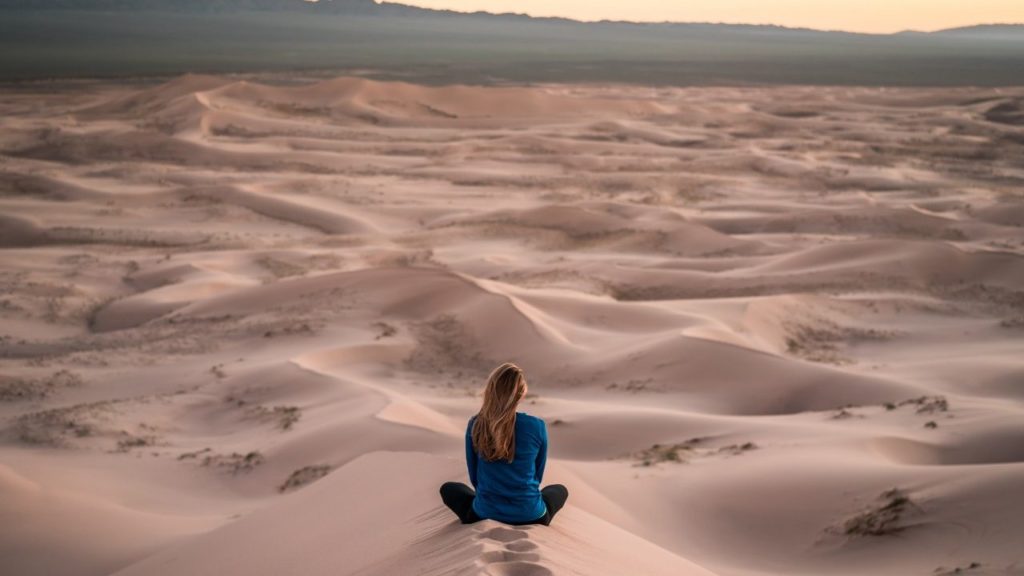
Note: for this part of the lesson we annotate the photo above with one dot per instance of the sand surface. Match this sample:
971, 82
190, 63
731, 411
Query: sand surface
773, 331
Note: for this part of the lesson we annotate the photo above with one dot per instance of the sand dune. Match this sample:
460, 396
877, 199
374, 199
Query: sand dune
606, 226
773, 331
403, 532
187, 101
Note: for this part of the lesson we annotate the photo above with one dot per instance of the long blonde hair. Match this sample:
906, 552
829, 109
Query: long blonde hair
494, 432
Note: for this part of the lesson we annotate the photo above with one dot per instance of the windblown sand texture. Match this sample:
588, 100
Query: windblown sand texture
773, 331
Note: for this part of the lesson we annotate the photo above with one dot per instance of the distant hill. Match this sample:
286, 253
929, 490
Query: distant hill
81, 38
373, 7
994, 31
202, 6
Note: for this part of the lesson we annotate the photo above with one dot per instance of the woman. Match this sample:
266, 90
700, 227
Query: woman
505, 452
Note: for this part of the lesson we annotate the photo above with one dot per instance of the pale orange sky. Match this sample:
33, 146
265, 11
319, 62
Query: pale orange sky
854, 15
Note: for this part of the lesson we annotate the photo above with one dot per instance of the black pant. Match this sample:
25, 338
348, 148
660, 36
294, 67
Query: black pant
459, 498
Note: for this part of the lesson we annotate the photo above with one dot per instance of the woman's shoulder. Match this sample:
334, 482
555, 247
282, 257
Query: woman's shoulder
529, 420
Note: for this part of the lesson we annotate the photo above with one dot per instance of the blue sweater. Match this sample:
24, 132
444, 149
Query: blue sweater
510, 491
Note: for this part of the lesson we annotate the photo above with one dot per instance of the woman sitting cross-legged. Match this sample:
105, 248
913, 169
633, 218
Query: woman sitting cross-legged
505, 452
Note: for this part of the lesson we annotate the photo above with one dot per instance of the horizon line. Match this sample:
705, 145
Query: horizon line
689, 22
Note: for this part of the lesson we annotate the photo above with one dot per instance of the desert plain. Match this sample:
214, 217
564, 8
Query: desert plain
772, 330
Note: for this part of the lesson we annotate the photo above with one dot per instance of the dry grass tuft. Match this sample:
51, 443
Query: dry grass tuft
685, 451
303, 476
882, 519
235, 462
14, 389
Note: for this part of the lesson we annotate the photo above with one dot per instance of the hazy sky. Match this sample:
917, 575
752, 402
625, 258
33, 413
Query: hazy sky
857, 15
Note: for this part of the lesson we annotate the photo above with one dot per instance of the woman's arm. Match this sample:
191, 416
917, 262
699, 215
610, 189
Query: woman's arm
542, 454
470, 454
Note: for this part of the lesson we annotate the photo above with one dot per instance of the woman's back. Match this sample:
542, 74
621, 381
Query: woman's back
510, 491
505, 453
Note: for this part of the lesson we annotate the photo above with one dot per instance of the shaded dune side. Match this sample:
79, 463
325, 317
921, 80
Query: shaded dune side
415, 296
900, 222
157, 147
1000, 443
849, 266
20, 231
681, 364
917, 263
284, 209
717, 377
186, 103
374, 102
606, 226
161, 291
114, 534
319, 398
47, 187
156, 98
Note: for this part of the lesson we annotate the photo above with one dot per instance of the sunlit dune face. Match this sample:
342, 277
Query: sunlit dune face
876, 16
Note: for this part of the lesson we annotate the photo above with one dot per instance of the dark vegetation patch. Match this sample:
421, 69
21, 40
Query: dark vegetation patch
384, 330
194, 455
683, 452
285, 416
445, 346
218, 371
303, 476
823, 343
636, 385
1014, 322
844, 413
280, 268
128, 441
736, 449
235, 463
289, 328
943, 571
56, 426
885, 517
795, 113
659, 453
14, 389
924, 404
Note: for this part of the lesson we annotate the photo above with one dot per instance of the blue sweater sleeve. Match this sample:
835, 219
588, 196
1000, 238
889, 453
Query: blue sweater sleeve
542, 454
470, 453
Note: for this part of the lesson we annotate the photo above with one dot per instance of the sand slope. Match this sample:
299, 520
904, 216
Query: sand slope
335, 527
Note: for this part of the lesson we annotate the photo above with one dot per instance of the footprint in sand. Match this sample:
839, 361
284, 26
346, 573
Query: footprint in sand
505, 535
517, 556
521, 546
518, 569
496, 556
